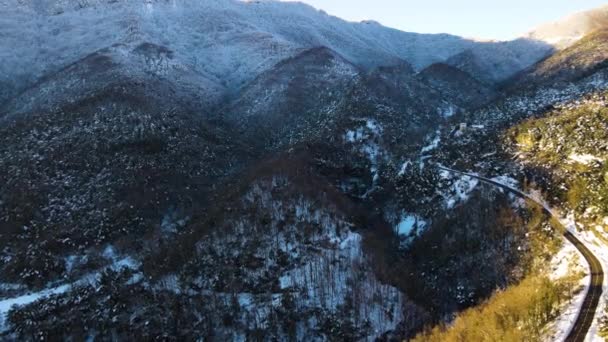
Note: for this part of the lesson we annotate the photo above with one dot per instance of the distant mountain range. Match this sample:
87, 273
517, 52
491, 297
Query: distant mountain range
228, 42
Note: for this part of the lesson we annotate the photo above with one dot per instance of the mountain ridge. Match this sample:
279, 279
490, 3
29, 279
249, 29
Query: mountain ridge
261, 170
221, 32
566, 31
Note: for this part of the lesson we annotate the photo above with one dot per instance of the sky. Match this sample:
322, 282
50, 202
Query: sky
482, 19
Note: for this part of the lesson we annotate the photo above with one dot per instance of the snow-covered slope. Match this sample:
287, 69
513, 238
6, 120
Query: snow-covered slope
565, 32
230, 41
586, 57
145, 64
294, 100
252, 158
491, 62
456, 85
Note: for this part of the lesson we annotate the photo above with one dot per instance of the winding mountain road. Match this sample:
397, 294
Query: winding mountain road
584, 320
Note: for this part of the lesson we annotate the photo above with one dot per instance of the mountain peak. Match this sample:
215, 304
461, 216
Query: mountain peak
567, 31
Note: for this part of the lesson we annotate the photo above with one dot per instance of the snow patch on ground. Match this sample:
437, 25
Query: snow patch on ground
567, 262
513, 183
537, 196
11, 287
117, 263
327, 268
366, 140
447, 112
460, 190
404, 167
560, 265
433, 144
600, 250
332, 293
373, 126
585, 159
562, 262
7, 304
172, 222
517, 201
409, 223
371, 129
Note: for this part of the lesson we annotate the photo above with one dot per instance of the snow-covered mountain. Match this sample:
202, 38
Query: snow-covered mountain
582, 59
566, 31
258, 170
227, 41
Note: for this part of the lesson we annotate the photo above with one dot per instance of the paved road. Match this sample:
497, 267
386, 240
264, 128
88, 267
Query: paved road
587, 313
